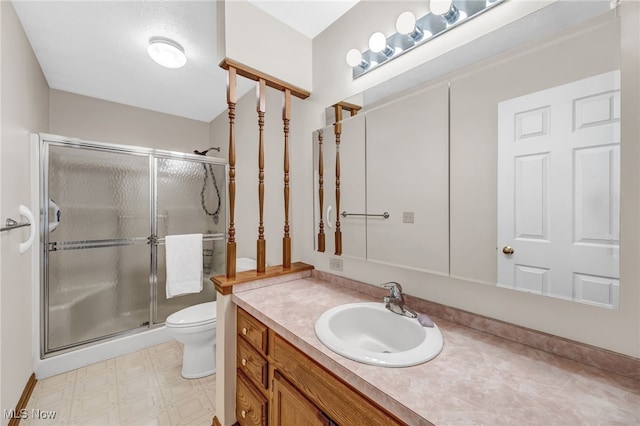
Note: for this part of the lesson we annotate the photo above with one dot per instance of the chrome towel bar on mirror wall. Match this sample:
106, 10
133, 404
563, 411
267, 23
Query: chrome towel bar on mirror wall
384, 215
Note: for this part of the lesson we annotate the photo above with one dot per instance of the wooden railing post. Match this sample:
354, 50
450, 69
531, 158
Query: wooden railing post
261, 243
321, 241
231, 241
263, 81
286, 239
337, 129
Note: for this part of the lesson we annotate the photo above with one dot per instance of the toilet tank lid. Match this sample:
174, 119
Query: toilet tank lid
194, 315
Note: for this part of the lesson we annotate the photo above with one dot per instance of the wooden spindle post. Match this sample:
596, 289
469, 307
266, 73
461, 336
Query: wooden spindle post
231, 241
337, 129
321, 241
261, 88
286, 240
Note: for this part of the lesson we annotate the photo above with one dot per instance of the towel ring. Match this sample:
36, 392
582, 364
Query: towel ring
24, 211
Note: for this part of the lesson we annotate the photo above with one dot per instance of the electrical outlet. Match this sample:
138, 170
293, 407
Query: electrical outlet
407, 217
335, 264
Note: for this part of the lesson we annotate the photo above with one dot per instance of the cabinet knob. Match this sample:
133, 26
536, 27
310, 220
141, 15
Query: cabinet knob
244, 413
244, 331
244, 362
508, 250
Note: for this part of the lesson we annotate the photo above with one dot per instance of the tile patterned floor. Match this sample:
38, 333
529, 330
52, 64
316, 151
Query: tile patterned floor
141, 388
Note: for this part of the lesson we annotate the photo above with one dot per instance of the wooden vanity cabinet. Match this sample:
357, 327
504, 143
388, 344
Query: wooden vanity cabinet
297, 390
290, 407
252, 371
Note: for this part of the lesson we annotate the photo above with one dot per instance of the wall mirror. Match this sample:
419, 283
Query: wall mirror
502, 171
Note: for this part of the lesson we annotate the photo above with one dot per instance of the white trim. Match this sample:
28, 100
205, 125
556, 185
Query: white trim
78, 358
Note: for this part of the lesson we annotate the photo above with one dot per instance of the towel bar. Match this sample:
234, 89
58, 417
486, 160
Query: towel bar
384, 215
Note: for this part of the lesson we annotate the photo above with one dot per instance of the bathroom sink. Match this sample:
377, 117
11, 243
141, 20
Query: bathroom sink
371, 334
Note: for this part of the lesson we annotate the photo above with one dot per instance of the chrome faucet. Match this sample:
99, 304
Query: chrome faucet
395, 301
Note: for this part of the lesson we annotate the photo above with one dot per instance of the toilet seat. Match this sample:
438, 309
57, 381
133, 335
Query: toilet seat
193, 316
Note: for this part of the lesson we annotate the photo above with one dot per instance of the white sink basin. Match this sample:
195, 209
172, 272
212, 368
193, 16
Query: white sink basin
370, 333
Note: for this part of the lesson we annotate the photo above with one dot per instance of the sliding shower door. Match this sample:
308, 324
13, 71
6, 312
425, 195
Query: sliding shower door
106, 211
189, 200
97, 244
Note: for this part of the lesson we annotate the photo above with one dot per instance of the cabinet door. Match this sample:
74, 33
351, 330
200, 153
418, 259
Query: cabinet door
251, 405
290, 408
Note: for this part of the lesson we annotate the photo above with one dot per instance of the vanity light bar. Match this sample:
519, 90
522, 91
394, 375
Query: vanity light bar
426, 28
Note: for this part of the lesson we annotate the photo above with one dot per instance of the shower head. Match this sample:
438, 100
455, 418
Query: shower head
215, 148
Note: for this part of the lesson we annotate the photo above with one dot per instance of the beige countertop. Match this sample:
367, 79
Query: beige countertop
478, 378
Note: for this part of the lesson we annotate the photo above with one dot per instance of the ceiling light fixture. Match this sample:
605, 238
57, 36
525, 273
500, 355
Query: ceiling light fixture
166, 52
443, 16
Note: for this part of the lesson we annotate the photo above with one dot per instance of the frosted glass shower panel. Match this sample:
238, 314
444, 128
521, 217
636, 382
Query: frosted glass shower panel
190, 197
214, 262
97, 195
90, 299
190, 200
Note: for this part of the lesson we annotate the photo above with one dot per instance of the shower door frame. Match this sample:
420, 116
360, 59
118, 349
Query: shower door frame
47, 140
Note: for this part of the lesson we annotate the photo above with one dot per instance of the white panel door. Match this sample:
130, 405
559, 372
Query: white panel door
559, 191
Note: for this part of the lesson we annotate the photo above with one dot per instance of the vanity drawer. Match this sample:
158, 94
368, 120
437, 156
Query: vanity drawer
251, 406
253, 330
252, 364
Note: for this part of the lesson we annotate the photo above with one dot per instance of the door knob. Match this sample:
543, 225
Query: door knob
508, 250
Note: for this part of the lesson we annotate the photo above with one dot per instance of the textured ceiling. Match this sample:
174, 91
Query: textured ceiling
98, 49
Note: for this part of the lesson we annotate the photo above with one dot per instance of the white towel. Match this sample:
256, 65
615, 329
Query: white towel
184, 264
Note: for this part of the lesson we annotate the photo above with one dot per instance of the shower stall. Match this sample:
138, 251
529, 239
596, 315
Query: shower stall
106, 210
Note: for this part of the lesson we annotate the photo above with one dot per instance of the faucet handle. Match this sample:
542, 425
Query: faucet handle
394, 288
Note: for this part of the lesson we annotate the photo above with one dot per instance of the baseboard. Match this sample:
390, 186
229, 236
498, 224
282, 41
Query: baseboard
24, 400
216, 422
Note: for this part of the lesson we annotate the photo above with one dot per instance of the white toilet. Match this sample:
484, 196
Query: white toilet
195, 327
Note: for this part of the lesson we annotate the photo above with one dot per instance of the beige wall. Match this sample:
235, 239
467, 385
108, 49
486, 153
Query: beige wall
25, 102
254, 38
614, 330
246, 212
103, 121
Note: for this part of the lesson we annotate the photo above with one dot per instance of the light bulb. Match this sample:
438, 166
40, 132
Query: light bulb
354, 57
406, 23
377, 42
440, 7
166, 52
446, 9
